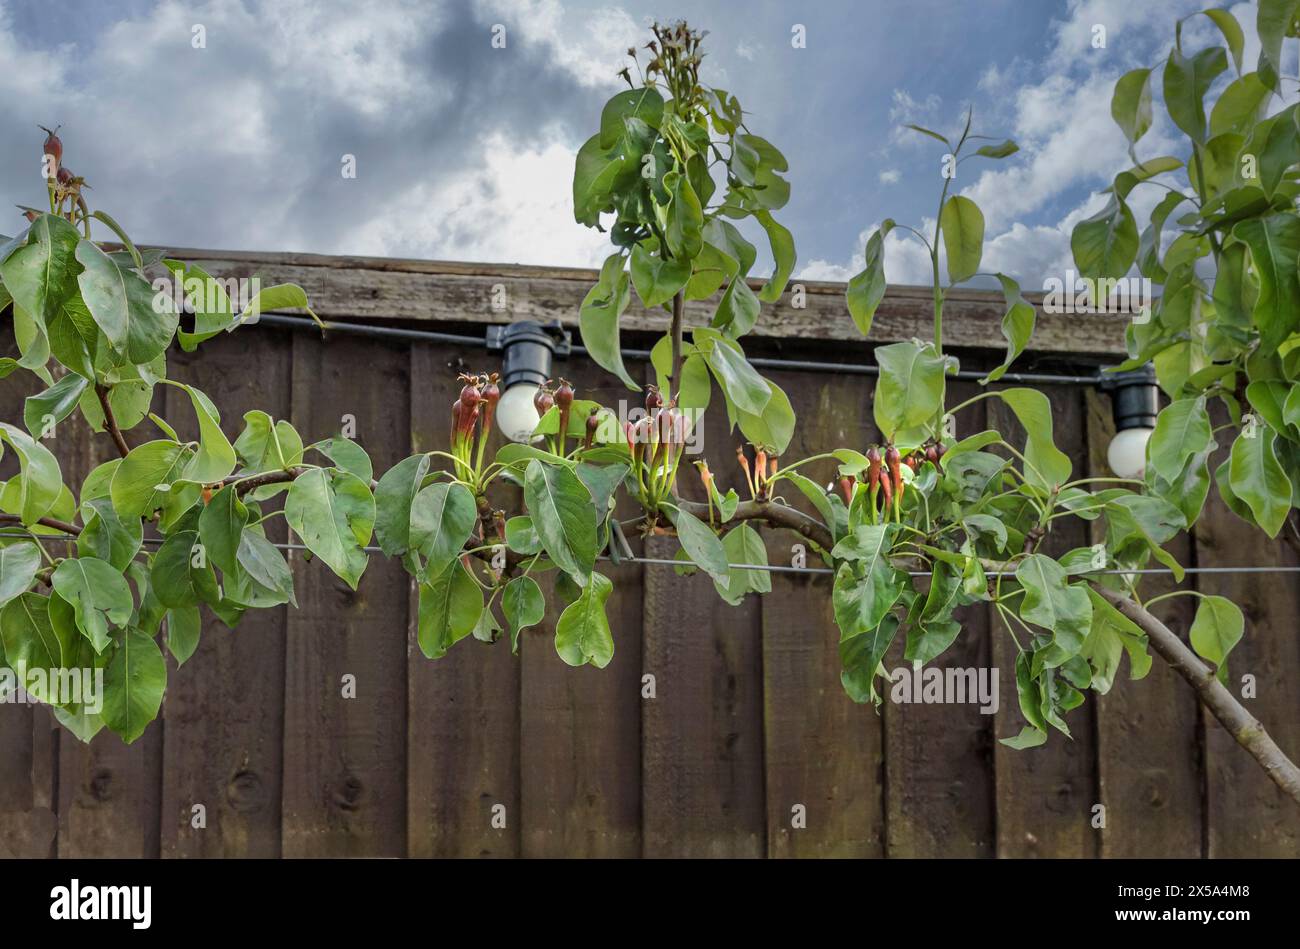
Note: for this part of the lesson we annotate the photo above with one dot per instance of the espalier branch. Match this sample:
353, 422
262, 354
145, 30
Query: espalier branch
914, 527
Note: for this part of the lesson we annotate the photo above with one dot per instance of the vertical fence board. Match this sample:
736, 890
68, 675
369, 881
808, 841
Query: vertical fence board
345, 758
580, 741
224, 710
28, 822
1148, 737
1045, 795
580, 754
109, 793
702, 790
822, 751
1247, 816
28, 743
702, 750
939, 789
463, 739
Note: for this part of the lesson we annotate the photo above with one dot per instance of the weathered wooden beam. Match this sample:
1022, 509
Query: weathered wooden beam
391, 289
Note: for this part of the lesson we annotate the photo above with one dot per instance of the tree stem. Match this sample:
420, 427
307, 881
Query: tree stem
1244, 728
934, 263
110, 421
675, 380
776, 514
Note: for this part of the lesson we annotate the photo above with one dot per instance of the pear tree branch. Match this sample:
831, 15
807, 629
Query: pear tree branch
1244, 728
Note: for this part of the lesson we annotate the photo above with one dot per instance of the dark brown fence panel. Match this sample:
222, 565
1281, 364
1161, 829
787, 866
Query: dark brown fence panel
1148, 734
939, 783
702, 744
1247, 815
28, 810
109, 794
1045, 795
28, 740
463, 719
747, 718
224, 709
702, 787
580, 749
345, 757
822, 752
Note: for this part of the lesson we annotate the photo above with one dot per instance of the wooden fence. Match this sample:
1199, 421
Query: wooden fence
485, 753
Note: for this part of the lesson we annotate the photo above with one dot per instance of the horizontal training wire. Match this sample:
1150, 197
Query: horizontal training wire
773, 568
778, 568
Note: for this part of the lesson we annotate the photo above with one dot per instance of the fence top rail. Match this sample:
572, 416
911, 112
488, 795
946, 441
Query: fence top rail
432, 291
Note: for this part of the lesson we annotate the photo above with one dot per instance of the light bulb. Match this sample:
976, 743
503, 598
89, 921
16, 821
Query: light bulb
1127, 454
515, 414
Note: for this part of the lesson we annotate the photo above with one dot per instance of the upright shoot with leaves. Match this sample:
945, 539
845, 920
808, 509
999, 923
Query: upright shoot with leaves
965, 508
655, 165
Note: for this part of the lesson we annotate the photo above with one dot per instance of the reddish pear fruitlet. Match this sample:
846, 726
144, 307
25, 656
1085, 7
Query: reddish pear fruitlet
53, 146
894, 462
654, 400
543, 400
470, 394
873, 468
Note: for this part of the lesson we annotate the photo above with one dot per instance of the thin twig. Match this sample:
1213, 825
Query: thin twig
247, 483
776, 514
50, 522
110, 420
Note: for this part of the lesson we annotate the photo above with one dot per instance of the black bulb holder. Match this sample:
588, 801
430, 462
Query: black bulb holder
528, 349
1134, 397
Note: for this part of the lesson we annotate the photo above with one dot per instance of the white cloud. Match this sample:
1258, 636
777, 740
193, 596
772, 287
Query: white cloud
907, 261
514, 207
994, 79
1067, 137
905, 110
1126, 26
29, 74
240, 143
464, 151
593, 54
825, 270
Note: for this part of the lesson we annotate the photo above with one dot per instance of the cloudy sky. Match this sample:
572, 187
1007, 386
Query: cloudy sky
465, 152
